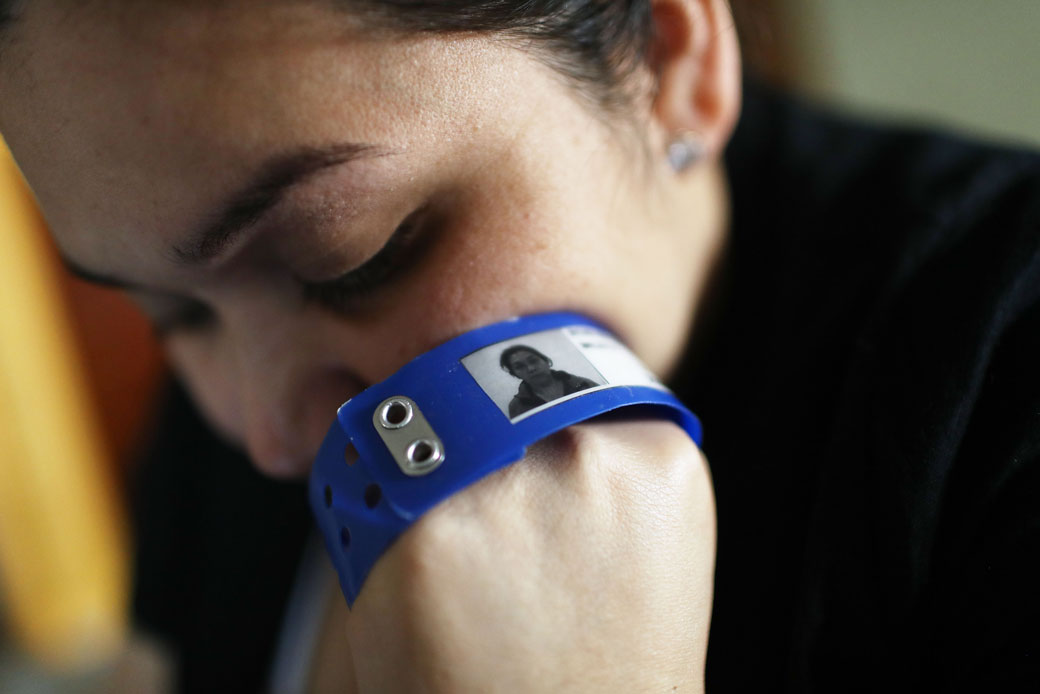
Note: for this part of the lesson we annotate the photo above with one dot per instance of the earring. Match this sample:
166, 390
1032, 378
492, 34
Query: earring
684, 151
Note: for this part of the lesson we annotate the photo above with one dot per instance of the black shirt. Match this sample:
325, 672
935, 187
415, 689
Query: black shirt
871, 404
870, 391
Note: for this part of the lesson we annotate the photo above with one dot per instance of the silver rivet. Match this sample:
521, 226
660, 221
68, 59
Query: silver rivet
416, 448
395, 414
424, 453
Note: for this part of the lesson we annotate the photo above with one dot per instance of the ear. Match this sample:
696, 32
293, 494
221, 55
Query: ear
695, 57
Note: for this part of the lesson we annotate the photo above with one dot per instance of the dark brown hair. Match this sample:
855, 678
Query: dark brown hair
6, 13
594, 44
508, 353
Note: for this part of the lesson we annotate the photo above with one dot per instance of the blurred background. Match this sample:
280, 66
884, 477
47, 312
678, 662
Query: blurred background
970, 66
80, 371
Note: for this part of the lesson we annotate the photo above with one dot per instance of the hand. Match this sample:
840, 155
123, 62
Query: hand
585, 567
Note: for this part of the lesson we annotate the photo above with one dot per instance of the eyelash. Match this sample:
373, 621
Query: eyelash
346, 293
349, 292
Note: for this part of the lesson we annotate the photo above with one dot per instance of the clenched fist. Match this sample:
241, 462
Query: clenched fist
585, 567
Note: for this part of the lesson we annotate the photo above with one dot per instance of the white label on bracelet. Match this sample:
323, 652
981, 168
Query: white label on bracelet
527, 374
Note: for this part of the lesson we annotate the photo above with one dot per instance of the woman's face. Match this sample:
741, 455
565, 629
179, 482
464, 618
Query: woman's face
227, 163
528, 366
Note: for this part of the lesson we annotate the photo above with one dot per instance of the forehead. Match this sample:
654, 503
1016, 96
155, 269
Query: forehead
117, 111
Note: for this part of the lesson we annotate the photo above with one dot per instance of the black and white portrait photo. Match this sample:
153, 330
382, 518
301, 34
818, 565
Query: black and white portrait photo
539, 382
528, 373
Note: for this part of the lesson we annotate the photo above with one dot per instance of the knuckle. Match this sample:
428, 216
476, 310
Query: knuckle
582, 445
641, 452
672, 444
427, 543
416, 563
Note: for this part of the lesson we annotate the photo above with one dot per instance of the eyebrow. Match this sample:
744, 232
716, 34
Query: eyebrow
269, 185
247, 206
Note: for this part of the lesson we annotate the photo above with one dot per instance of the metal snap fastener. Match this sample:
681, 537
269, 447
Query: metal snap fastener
423, 454
395, 413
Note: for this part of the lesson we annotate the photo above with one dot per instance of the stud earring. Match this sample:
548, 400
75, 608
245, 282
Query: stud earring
685, 150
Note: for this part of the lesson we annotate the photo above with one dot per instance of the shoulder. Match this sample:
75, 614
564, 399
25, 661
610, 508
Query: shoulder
824, 152
913, 255
882, 321
572, 381
516, 406
885, 230
825, 178
522, 401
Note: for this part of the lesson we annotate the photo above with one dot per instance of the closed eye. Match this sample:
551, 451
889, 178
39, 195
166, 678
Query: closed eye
350, 292
347, 293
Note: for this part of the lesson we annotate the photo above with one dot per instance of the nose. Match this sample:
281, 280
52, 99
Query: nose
289, 374
285, 416
277, 374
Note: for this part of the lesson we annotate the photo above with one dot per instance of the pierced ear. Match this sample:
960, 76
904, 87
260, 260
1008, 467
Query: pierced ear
695, 57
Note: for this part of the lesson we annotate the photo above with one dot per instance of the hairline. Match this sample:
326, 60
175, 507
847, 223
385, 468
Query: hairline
618, 115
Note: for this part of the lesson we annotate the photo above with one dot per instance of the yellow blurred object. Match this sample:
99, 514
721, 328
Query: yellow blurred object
63, 546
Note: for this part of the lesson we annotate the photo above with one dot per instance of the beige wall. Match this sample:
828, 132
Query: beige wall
970, 65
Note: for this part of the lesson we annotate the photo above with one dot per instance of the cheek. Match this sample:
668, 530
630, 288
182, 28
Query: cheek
207, 378
520, 263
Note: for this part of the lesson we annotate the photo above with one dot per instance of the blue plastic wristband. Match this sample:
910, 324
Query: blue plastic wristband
457, 413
